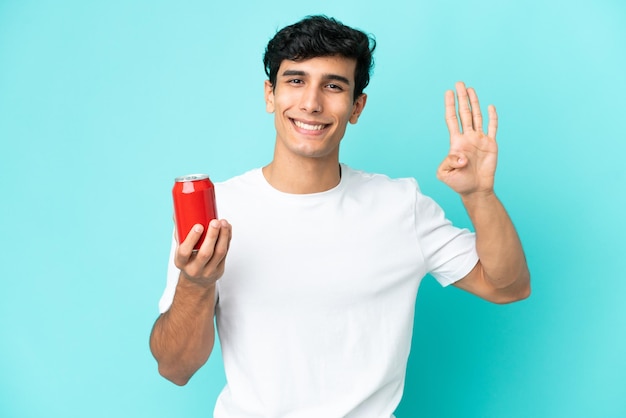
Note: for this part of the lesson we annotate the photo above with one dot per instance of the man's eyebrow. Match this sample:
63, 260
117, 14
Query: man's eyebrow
289, 73
336, 77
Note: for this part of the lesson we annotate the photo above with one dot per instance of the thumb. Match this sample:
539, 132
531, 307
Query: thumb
453, 162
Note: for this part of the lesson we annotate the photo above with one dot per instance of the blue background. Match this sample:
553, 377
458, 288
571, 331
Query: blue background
103, 103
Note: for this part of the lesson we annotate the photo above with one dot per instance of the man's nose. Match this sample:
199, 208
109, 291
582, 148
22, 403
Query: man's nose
311, 100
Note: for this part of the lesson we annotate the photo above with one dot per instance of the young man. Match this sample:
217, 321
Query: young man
315, 306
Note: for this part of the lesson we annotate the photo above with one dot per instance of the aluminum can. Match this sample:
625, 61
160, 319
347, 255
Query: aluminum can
194, 203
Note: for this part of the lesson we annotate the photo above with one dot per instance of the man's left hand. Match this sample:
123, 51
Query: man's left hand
471, 163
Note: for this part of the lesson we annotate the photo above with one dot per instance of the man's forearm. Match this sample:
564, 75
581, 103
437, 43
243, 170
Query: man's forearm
183, 337
497, 243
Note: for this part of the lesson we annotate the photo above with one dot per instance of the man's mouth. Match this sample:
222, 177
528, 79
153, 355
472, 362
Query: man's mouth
308, 126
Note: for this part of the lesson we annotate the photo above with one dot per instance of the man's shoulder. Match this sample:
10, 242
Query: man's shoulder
369, 179
246, 178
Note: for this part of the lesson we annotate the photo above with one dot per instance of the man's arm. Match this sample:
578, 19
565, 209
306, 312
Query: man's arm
501, 275
182, 338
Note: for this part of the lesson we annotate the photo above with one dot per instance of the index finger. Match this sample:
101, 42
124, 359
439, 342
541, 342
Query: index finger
451, 120
186, 248
465, 113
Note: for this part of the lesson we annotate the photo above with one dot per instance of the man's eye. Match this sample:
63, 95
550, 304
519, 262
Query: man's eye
295, 81
334, 87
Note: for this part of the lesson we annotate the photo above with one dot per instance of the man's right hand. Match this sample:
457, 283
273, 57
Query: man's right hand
182, 338
206, 265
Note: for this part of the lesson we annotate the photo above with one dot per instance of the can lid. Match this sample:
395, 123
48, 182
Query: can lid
191, 177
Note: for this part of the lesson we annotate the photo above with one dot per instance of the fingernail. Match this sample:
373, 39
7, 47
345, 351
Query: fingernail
214, 223
197, 228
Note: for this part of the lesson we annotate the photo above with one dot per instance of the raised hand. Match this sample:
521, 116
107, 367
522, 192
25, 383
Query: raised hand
471, 163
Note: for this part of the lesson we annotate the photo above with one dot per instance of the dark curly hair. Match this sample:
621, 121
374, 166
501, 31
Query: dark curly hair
320, 36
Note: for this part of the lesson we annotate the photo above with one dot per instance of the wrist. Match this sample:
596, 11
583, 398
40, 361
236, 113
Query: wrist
198, 284
478, 196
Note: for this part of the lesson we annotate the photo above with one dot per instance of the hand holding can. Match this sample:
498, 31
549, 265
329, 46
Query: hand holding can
194, 203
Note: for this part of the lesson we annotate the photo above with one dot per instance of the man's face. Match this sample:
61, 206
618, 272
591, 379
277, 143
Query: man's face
313, 103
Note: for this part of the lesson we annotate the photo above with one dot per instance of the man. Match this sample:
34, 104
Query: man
315, 307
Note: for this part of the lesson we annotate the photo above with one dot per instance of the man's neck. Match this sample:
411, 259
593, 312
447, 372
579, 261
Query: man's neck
303, 177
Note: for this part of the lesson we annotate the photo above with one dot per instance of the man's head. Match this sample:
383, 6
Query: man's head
320, 36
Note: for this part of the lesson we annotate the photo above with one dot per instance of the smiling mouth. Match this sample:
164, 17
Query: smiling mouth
307, 126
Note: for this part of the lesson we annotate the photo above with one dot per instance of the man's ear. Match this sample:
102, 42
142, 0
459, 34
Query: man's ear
359, 105
269, 97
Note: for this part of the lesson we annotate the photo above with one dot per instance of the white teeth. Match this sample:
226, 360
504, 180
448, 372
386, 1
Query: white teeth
308, 127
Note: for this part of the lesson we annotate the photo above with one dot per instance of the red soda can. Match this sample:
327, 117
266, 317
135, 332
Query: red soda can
194, 203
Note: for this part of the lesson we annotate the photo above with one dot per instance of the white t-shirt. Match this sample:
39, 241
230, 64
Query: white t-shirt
315, 309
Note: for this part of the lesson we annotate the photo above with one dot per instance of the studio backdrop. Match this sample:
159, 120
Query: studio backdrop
104, 103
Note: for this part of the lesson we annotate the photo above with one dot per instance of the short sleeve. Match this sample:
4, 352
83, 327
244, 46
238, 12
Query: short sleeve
449, 251
173, 273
